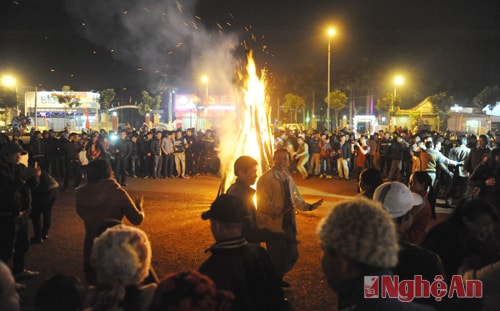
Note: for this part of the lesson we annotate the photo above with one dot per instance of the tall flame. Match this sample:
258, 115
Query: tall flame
254, 136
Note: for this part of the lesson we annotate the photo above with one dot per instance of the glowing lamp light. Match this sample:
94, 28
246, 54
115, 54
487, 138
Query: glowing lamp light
9, 81
399, 80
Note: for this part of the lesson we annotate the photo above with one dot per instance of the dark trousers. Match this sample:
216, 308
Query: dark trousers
148, 167
120, 168
191, 163
14, 240
73, 169
168, 165
458, 189
42, 207
284, 252
133, 164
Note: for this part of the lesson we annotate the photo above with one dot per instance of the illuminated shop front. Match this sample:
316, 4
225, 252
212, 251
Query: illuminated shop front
79, 112
190, 112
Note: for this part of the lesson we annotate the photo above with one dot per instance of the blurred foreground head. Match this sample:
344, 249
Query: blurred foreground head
190, 291
357, 237
9, 299
121, 254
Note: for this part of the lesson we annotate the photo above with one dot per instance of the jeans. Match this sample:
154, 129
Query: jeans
343, 168
156, 166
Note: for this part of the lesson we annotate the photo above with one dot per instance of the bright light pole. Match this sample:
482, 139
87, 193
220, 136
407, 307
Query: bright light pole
204, 80
398, 80
331, 32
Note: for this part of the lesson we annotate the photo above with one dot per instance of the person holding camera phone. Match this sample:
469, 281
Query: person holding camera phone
363, 150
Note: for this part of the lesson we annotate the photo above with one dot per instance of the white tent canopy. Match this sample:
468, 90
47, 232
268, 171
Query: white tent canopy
492, 110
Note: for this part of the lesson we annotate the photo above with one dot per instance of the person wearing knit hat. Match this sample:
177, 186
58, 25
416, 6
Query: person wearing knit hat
358, 239
122, 258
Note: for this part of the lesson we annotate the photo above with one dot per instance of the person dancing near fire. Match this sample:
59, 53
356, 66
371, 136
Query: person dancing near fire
277, 199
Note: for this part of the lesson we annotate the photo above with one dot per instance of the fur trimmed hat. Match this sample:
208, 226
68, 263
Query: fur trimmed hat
361, 230
122, 253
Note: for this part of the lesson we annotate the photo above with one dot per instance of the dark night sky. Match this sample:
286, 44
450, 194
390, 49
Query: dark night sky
96, 44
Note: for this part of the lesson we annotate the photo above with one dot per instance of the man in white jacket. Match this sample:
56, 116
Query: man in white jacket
277, 199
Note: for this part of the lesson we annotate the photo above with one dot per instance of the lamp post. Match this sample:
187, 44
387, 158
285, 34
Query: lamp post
398, 80
204, 80
331, 32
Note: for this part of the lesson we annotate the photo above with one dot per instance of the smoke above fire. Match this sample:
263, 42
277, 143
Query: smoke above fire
168, 43
163, 39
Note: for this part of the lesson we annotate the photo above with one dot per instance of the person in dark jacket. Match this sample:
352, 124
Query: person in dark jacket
100, 200
44, 197
236, 265
245, 169
16, 182
72, 168
122, 151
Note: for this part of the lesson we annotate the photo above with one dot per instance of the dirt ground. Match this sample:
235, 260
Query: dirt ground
179, 236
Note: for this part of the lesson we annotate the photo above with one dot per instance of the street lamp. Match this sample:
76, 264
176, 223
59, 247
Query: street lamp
398, 80
204, 80
331, 33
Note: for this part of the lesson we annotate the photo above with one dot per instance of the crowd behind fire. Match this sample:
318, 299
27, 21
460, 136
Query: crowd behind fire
431, 169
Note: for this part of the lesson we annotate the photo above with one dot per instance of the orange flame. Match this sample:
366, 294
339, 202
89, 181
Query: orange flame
254, 136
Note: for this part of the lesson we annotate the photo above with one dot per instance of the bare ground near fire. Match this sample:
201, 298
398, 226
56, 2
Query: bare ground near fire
179, 236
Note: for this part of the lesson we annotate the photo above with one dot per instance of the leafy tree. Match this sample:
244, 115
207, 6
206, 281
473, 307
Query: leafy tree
106, 98
441, 104
338, 101
7, 97
388, 104
149, 103
293, 103
490, 95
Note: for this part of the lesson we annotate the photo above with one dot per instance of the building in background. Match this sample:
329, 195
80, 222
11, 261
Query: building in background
82, 113
191, 112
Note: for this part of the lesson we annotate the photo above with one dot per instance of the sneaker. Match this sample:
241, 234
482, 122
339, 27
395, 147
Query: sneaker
25, 274
185, 177
329, 177
321, 176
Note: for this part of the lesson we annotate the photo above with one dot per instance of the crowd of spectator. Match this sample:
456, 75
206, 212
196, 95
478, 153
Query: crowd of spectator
401, 173
450, 162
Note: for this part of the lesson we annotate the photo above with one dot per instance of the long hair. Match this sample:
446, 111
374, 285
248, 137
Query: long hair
424, 178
